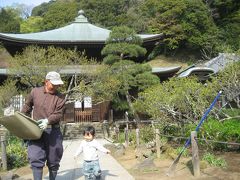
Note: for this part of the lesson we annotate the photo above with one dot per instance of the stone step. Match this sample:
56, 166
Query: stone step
74, 131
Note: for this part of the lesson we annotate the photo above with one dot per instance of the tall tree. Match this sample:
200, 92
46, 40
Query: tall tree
59, 14
123, 46
9, 20
123, 43
185, 23
31, 24
41, 9
133, 78
104, 13
226, 14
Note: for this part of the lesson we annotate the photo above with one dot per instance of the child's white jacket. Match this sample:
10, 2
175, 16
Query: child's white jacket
89, 150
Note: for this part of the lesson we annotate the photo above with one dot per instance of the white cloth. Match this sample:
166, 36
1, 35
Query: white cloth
89, 150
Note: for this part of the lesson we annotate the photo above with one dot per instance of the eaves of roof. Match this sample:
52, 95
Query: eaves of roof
165, 70
88, 69
28, 40
192, 70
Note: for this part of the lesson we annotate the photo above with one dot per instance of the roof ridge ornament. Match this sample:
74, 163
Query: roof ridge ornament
81, 18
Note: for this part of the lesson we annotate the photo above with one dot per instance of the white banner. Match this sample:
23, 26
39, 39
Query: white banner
87, 102
78, 104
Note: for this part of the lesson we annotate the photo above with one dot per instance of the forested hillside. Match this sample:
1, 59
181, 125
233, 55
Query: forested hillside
203, 28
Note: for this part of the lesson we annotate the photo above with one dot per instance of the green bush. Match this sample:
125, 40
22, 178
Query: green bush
131, 137
7, 91
212, 129
147, 134
16, 153
121, 137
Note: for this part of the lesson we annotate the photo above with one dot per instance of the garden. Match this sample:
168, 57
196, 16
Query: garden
218, 148
158, 115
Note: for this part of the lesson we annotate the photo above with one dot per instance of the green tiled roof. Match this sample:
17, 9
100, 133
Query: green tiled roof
78, 31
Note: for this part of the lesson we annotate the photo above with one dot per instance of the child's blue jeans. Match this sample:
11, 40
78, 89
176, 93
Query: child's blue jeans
91, 169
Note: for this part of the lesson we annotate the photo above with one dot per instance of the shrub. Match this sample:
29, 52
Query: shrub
16, 153
227, 131
147, 134
131, 137
212, 129
7, 91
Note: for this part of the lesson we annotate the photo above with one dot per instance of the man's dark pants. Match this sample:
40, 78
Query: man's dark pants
48, 149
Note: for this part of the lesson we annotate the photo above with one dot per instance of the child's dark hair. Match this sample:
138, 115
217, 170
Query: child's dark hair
89, 130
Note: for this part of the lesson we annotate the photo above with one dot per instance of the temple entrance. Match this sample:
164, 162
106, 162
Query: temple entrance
95, 113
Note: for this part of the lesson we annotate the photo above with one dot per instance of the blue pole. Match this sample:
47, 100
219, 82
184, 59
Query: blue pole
204, 117
174, 164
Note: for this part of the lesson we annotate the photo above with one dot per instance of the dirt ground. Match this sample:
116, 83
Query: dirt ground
158, 169
23, 173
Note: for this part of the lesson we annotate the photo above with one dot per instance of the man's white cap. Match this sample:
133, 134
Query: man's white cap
54, 78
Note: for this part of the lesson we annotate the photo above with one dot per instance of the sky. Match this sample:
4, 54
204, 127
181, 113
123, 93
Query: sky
4, 3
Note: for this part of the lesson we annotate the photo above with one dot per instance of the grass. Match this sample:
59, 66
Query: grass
214, 161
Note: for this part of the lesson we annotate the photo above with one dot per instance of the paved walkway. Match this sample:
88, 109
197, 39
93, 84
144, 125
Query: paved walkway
72, 170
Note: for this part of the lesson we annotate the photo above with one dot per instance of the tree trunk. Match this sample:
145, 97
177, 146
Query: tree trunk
131, 107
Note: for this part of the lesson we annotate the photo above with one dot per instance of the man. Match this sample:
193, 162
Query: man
46, 105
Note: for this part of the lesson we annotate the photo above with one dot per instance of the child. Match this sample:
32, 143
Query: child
89, 147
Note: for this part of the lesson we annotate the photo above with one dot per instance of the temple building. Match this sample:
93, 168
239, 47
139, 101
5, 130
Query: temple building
79, 35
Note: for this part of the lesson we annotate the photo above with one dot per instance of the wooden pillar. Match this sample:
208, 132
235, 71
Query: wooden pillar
137, 137
117, 132
126, 118
126, 137
223, 101
158, 142
152, 124
4, 152
105, 127
110, 116
195, 155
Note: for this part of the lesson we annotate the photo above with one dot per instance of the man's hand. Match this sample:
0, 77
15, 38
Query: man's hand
42, 123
